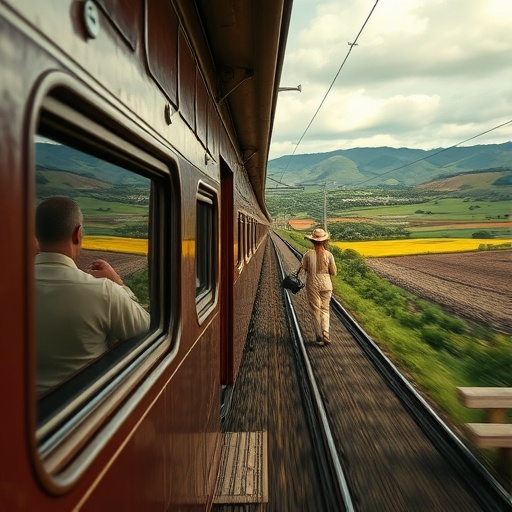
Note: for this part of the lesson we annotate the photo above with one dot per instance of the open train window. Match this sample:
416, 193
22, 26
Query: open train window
206, 250
102, 216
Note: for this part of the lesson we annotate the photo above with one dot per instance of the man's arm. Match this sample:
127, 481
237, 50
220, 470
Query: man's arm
127, 317
100, 268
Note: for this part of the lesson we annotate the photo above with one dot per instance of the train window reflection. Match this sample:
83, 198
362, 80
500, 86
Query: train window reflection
91, 272
206, 247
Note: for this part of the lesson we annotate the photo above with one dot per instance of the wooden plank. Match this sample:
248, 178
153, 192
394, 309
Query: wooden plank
486, 398
490, 435
243, 468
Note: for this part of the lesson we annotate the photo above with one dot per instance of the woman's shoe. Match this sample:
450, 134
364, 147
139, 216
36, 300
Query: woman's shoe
327, 338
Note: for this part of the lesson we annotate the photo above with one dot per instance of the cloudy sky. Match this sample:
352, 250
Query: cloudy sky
425, 74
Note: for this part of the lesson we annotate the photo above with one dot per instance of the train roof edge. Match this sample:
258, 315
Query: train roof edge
243, 45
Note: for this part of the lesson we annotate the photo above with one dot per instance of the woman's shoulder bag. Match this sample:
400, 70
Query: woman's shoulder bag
293, 282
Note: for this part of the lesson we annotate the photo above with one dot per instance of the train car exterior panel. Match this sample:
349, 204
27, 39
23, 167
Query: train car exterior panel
196, 458
245, 287
162, 48
145, 485
130, 83
125, 82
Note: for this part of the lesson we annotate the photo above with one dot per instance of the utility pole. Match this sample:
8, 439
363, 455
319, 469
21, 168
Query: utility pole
325, 207
325, 202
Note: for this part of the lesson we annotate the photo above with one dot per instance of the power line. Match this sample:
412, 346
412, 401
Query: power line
316, 211
351, 45
284, 185
433, 154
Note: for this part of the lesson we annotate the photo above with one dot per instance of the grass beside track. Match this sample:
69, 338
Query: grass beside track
436, 350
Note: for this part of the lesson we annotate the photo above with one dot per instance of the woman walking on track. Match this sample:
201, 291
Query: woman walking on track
319, 266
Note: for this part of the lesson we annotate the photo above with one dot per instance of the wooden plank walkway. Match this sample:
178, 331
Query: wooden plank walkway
243, 474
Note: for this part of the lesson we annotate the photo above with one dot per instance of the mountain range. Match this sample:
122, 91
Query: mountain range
351, 168
386, 166
80, 170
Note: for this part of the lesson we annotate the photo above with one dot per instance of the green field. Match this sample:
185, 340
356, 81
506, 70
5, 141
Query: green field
104, 218
451, 209
443, 232
437, 350
91, 207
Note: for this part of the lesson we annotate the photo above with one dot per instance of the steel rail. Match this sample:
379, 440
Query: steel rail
488, 492
319, 415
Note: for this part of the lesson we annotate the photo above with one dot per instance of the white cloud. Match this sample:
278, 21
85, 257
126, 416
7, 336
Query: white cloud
426, 73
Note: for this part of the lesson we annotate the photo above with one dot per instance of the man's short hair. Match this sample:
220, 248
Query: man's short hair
56, 219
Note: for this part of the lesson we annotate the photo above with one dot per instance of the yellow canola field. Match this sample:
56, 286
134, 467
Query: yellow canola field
116, 244
382, 248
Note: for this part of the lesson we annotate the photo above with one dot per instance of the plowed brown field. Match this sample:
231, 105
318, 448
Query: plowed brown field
124, 264
477, 286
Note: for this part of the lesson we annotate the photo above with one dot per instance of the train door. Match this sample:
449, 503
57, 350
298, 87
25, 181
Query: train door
226, 275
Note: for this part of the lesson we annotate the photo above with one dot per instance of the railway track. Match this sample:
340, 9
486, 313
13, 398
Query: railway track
473, 482
338, 496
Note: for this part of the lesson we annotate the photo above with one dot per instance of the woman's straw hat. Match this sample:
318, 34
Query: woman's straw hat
318, 235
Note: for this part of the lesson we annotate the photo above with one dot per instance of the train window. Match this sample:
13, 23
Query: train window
247, 248
206, 250
101, 312
241, 239
251, 237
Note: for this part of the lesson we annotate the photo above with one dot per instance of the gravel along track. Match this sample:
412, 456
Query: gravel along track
266, 396
477, 286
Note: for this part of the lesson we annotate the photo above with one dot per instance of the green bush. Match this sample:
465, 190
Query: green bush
430, 313
452, 324
139, 284
434, 336
489, 364
408, 319
482, 234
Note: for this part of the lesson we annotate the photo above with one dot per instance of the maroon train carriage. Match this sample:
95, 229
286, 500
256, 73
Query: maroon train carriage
155, 116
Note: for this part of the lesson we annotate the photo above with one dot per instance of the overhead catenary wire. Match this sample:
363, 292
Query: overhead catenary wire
434, 154
351, 47
426, 157
317, 211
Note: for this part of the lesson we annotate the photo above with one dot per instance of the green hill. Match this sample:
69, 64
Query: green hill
328, 170
67, 180
473, 181
61, 158
388, 167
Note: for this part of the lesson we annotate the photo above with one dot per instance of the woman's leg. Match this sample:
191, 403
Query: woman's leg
325, 309
315, 304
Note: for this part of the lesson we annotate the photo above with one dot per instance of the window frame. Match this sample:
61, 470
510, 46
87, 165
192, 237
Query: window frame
206, 297
63, 440
241, 240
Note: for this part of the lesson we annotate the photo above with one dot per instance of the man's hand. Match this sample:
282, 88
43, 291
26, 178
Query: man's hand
100, 268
